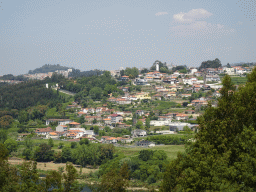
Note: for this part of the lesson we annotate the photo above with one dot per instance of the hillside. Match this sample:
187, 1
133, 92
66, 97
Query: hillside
48, 68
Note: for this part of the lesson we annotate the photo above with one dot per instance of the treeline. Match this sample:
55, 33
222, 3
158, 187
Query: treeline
168, 139
77, 73
27, 94
82, 153
210, 64
12, 77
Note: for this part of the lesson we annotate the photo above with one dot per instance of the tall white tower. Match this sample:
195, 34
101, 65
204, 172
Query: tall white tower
157, 66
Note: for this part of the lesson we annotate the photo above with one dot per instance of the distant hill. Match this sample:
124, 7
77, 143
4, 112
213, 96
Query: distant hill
47, 68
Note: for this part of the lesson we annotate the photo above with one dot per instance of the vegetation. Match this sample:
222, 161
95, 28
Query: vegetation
239, 80
162, 67
210, 64
27, 94
26, 178
131, 72
12, 77
169, 139
148, 166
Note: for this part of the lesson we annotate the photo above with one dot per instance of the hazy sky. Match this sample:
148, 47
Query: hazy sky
108, 34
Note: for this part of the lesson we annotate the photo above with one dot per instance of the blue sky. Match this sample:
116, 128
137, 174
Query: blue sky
108, 34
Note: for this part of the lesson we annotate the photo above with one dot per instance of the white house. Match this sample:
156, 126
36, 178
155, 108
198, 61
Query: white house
60, 121
44, 131
116, 118
139, 133
61, 128
159, 123
229, 71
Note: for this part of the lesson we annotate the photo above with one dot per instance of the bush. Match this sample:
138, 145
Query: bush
73, 145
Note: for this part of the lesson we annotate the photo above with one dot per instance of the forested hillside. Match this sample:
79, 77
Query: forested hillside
94, 87
25, 95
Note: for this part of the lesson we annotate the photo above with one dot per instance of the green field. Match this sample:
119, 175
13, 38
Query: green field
239, 80
171, 150
56, 142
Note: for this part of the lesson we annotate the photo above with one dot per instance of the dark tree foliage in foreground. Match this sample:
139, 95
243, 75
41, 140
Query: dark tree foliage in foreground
223, 157
26, 178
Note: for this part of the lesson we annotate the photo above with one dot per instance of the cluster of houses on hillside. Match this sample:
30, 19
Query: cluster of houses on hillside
191, 78
72, 131
41, 76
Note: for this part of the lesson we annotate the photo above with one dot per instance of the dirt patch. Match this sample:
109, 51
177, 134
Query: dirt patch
49, 165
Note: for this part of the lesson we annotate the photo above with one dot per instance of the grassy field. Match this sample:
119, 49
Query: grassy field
56, 142
171, 150
42, 167
239, 80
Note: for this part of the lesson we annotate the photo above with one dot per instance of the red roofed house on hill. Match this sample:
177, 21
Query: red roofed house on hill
115, 118
74, 125
44, 131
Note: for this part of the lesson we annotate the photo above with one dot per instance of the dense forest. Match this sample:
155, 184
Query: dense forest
12, 77
27, 94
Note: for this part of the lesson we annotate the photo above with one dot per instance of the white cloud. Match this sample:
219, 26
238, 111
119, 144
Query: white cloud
161, 13
191, 16
192, 24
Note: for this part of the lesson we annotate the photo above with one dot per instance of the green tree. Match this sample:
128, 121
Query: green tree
11, 145
6, 121
50, 142
3, 136
53, 181
131, 72
96, 129
139, 125
115, 180
81, 120
94, 121
96, 93
145, 155
84, 141
147, 123
73, 145
66, 155
23, 116
211, 64
70, 183
43, 153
